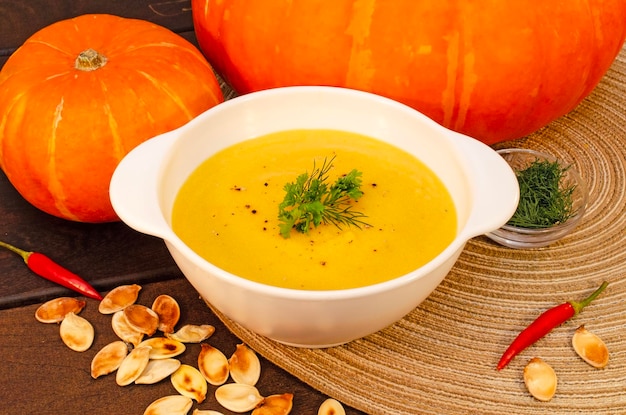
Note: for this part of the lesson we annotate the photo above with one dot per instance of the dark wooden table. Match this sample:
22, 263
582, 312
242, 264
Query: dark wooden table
39, 374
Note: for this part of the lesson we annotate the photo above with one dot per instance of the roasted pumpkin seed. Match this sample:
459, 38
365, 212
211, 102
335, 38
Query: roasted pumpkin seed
108, 359
238, 397
163, 348
331, 407
244, 365
213, 365
188, 381
124, 331
540, 379
76, 332
168, 310
590, 347
275, 405
119, 298
54, 311
205, 412
169, 405
191, 333
157, 370
133, 366
141, 318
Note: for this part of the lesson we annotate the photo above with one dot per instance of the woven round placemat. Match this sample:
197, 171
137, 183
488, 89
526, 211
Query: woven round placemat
441, 358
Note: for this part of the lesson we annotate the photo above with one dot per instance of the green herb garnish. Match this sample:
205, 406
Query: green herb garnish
311, 201
544, 202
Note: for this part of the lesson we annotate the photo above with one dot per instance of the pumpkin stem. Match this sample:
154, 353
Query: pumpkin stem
90, 60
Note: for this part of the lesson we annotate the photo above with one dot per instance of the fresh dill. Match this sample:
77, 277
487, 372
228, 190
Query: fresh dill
544, 201
311, 201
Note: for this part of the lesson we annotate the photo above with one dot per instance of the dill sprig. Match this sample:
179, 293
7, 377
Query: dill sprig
544, 202
310, 201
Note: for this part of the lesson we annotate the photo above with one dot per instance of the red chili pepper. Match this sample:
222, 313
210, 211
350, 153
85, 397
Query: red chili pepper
548, 320
50, 270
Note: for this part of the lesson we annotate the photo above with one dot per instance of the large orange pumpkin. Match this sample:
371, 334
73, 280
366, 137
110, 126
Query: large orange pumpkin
495, 70
79, 94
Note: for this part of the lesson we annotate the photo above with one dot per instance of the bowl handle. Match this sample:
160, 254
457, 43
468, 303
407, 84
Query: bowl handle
133, 187
496, 188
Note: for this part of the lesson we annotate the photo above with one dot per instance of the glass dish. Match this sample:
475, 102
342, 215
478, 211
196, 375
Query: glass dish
523, 238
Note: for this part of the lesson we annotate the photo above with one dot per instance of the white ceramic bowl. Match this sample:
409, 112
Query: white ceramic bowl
145, 184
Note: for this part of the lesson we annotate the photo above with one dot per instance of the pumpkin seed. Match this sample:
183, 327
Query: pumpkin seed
163, 348
157, 370
590, 347
108, 359
191, 333
141, 318
169, 405
123, 330
205, 412
168, 311
188, 381
133, 366
331, 407
540, 379
275, 405
119, 298
54, 311
244, 365
238, 397
76, 332
213, 365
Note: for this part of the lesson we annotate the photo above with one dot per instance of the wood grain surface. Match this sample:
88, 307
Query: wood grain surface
105, 254
40, 374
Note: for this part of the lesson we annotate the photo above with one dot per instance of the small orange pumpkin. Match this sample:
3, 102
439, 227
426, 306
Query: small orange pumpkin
78, 95
495, 70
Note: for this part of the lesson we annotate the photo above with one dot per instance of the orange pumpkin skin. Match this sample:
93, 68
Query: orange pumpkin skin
492, 70
63, 130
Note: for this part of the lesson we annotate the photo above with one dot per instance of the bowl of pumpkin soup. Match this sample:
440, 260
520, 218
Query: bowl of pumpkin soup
314, 216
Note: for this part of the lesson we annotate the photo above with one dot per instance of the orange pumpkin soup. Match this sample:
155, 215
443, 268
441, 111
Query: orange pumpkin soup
227, 212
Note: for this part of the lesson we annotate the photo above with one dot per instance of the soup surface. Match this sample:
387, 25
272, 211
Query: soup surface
227, 212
